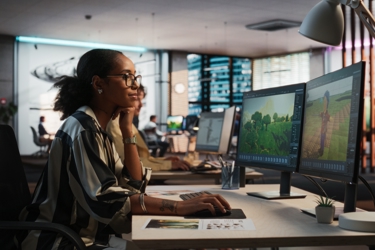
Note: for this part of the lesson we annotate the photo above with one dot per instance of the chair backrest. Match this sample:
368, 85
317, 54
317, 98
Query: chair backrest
14, 190
143, 135
36, 138
151, 144
35, 135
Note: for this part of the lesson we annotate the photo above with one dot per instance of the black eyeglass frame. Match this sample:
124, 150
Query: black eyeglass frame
126, 76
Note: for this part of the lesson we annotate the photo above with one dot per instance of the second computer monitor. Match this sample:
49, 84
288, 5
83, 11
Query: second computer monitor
189, 123
332, 128
174, 123
270, 131
215, 131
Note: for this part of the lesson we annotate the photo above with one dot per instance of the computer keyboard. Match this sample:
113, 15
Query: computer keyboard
203, 167
204, 212
189, 196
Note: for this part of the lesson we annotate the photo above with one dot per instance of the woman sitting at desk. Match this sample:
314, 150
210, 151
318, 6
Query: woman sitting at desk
84, 185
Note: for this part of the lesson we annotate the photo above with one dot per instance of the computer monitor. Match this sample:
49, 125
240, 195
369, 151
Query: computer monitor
215, 131
174, 123
270, 133
189, 123
332, 128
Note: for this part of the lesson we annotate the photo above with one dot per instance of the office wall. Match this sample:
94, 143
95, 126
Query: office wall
7, 69
179, 84
38, 67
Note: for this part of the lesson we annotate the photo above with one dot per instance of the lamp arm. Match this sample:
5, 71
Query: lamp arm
363, 13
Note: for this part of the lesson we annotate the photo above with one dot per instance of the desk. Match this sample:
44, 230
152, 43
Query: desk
187, 175
278, 223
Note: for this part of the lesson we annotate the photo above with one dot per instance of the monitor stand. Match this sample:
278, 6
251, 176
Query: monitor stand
284, 192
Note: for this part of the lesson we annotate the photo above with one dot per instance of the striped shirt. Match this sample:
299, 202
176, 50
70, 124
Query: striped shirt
84, 186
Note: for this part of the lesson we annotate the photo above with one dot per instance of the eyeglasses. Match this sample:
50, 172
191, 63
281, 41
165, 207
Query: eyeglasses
129, 79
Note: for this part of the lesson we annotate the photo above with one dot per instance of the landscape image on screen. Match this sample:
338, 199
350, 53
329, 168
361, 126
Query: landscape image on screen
267, 125
326, 121
174, 122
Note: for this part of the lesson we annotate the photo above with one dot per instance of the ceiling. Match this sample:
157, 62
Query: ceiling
198, 26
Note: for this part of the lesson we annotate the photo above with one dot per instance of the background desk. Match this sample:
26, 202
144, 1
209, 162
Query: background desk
278, 223
187, 175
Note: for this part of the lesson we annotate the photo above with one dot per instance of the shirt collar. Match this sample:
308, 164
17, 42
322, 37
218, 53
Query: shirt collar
87, 110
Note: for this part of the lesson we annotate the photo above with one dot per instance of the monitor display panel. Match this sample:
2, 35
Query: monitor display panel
215, 131
189, 123
332, 128
174, 123
270, 133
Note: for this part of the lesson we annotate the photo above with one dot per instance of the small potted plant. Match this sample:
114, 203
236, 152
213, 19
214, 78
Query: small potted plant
325, 210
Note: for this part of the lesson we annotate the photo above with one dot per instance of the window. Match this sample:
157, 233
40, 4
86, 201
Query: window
281, 70
217, 82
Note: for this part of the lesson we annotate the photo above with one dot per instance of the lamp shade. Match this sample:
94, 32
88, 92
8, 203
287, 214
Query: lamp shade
324, 23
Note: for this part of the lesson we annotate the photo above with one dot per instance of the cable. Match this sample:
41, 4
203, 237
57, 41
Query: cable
316, 184
368, 187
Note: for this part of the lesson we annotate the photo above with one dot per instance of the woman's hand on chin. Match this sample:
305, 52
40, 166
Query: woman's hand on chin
126, 115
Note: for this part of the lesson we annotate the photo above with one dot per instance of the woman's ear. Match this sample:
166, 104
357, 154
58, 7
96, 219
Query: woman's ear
97, 84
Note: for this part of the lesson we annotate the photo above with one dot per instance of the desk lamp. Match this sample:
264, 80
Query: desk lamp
325, 23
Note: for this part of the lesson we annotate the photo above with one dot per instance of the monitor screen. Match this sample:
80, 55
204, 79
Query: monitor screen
189, 122
215, 131
174, 123
333, 124
270, 132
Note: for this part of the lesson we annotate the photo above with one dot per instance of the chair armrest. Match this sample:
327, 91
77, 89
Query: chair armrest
71, 235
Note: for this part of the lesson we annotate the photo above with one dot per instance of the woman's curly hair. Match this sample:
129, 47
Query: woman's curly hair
76, 91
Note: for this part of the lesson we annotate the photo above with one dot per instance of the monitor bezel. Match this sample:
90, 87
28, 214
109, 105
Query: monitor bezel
219, 150
228, 137
334, 176
277, 167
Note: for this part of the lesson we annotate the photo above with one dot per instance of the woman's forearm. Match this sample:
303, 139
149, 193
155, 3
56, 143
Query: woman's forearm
152, 205
132, 161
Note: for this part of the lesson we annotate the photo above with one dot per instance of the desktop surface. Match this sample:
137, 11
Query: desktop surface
277, 223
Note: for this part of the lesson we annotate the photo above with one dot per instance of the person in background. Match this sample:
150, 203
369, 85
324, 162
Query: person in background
85, 185
44, 136
152, 124
156, 164
153, 134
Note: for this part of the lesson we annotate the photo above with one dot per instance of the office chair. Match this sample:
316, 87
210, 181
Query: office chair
42, 145
151, 144
15, 195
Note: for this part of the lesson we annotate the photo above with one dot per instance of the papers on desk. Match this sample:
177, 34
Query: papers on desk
201, 224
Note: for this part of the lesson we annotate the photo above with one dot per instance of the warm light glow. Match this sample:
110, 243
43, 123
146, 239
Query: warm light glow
357, 44
38, 40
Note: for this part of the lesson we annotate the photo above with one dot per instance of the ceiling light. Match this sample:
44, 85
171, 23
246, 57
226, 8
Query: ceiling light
37, 40
273, 25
